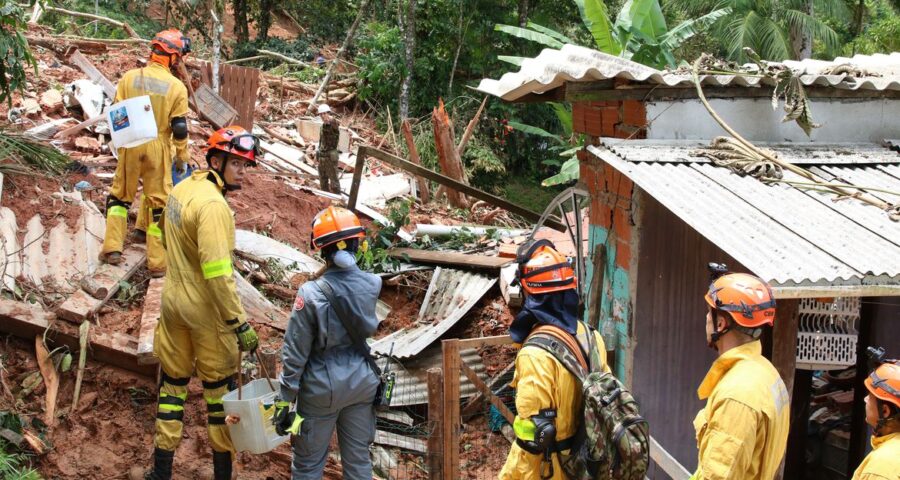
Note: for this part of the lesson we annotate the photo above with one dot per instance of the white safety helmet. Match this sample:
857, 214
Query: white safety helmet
323, 108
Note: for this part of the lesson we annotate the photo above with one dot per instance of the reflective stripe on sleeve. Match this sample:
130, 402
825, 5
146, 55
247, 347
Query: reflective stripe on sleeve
217, 268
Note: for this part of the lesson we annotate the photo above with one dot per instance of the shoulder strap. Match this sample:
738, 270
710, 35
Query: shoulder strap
562, 346
360, 343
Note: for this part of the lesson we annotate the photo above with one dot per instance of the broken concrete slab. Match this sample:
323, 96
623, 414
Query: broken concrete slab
31, 107
149, 320
376, 191
311, 130
87, 144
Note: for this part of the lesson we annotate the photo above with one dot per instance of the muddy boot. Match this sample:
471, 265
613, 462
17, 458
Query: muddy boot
162, 465
112, 258
221, 465
157, 273
138, 236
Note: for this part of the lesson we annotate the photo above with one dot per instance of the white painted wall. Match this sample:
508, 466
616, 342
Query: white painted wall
866, 120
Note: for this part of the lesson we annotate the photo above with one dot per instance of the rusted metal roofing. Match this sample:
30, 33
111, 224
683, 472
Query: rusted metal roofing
451, 294
792, 238
552, 68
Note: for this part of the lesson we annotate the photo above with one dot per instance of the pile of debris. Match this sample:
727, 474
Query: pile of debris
439, 275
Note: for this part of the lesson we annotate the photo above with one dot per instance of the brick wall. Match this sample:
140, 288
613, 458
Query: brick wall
618, 119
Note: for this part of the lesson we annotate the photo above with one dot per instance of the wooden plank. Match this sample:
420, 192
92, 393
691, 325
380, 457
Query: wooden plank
82, 306
361, 155
486, 392
395, 416
450, 408
667, 462
435, 454
213, 107
459, 186
400, 441
27, 321
784, 340
95, 75
149, 320
51, 380
449, 258
485, 341
473, 406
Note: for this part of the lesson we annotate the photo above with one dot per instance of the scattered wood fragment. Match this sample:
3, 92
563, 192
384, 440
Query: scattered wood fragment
470, 128
363, 7
86, 66
512, 294
51, 379
81, 126
82, 306
278, 291
449, 258
421, 183
149, 320
84, 334
60, 45
486, 392
474, 405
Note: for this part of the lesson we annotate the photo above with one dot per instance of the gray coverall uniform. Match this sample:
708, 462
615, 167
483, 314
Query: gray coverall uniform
335, 383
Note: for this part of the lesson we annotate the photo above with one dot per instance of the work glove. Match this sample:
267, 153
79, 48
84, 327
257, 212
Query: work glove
247, 338
285, 420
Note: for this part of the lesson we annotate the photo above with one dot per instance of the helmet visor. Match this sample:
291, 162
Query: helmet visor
245, 143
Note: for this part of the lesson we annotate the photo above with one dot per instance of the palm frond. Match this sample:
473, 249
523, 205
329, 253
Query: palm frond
530, 35
771, 41
39, 157
812, 26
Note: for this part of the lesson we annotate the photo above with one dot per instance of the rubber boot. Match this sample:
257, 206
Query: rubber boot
162, 465
138, 236
221, 465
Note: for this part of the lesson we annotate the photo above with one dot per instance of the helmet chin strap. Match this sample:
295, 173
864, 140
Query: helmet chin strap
229, 187
715, 336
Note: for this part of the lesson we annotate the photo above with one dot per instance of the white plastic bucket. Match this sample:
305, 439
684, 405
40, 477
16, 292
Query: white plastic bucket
254, 432
131, 122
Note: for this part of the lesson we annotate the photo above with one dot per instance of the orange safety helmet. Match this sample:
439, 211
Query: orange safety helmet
542, 269
747, 298
333, 225
171, 41
234, 140
884, 383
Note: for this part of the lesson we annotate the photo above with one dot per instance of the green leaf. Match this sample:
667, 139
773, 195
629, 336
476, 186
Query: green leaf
551, 32
567, 173
688, 28
564, 115
530, 35
595, 17
517, 61
532, 130
643, 15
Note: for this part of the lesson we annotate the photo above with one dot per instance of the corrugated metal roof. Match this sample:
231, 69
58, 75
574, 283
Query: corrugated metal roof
553, 68
411, 382
449, 297
789, 237
685, 151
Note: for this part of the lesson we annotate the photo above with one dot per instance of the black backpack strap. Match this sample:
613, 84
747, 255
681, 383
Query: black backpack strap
359, 342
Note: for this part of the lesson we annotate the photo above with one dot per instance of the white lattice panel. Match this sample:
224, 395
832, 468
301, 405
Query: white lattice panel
828, 332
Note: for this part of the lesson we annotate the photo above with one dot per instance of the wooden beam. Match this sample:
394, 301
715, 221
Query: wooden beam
27, 320
604, 91
450, 408
459, 186
449, 258
361, 155
486, 392
434, 452
556, 95
86, 66
473, 405
149, 320
81, 306
485, 341
784, 340
667, 462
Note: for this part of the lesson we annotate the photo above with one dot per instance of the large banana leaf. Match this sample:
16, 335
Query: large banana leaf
564, 115
530, 35
595, 17
567, 173
548, 31
517, 61
688, 28
532, 130
643, 15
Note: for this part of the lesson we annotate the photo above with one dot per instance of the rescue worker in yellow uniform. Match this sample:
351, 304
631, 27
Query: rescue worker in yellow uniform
883, 414
548, 396
742, 432
151, 162
202, 324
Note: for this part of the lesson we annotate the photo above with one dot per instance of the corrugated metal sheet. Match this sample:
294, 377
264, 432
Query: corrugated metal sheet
411, 382
685, 151
786, 236
451, 294
553, 68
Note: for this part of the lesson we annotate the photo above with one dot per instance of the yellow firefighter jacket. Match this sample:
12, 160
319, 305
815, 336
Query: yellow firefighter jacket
199, 238
542, 382
742, 432
883, 462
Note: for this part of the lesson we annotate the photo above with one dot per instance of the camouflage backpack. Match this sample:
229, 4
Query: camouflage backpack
612, 440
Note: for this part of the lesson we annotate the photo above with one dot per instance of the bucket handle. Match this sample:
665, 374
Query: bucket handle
262, 366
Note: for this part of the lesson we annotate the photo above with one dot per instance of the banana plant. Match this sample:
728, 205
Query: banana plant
564, 145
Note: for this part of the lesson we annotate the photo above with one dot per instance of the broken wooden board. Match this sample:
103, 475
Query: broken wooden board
512, 292
258, 308
394, 440
149, 320
27, 320
51, 379
213, 107
449, 258
82, 306
91, 71
287, 156
396, 416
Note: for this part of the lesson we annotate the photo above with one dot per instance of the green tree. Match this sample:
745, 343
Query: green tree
775, 29
15, 55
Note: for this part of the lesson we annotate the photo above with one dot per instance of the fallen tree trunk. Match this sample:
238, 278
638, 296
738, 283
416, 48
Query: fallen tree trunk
123, 25
421, 183
448, 156
281, 57
337, 57
470, 128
